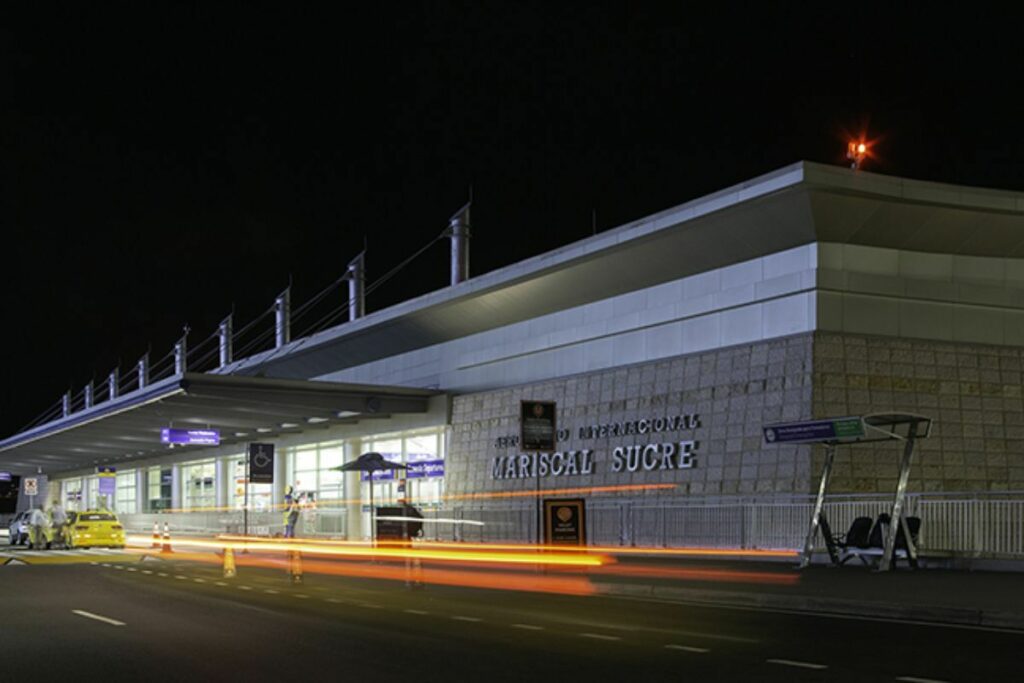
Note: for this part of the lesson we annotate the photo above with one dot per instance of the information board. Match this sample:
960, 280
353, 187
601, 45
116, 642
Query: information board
836, 429
565, 521
537, 428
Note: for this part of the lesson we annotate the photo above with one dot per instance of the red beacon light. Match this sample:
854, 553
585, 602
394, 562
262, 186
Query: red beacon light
856, 152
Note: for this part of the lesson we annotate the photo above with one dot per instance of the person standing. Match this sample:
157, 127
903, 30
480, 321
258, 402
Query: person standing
37, 528
59, 519
291, 518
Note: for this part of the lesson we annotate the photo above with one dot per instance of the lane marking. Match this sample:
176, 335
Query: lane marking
199, 580
687, 648
131, 569
528, 627
334, 600
370, 605
162, 574
181, 577
799, 665
95, 564
97, 617
146, 571
820, 615
245, 588
915, 679
415, 611
117, 566
105, 564
459, 617
219, 583
300, 596
271, 591
600, 636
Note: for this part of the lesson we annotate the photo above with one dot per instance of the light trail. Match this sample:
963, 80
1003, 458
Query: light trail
398, 553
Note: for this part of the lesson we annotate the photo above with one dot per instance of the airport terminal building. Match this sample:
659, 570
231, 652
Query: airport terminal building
666, 345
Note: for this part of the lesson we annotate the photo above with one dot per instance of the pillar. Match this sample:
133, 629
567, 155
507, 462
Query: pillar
353, 494
176, 501
280, 484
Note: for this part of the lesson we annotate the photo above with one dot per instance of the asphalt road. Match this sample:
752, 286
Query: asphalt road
181, 621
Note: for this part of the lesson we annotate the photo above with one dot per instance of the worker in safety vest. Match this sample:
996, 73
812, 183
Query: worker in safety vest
291, 518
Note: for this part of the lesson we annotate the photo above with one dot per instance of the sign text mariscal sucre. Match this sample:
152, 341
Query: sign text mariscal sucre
645, 457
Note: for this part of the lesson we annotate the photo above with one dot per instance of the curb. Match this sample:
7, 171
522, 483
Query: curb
818, 606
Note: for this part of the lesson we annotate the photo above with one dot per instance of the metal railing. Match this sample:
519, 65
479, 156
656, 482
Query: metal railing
971, 525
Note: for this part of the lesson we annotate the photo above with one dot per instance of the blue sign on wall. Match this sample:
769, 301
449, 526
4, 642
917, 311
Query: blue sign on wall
815, 431
425, 468
190, 437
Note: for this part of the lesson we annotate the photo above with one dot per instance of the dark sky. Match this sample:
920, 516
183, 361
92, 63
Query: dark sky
161, 163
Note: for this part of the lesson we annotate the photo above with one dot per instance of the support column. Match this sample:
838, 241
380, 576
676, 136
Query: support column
896, 518
812, 531
353, 494
141, 490
176, 501
281, 482
222, 475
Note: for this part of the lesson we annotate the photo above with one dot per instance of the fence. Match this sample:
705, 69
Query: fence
972, 525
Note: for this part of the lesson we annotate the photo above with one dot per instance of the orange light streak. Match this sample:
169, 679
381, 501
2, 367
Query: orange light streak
702, 574
438, 554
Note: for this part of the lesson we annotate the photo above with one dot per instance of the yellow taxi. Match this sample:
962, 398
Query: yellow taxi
94, 528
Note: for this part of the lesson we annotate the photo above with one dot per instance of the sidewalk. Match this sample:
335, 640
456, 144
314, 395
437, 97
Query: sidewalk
980, 598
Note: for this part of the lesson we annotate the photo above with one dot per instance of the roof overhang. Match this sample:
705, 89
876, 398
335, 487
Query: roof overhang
241, 408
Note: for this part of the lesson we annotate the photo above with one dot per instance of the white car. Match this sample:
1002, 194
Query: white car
18, 530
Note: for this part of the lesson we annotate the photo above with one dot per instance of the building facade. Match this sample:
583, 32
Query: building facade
667, 344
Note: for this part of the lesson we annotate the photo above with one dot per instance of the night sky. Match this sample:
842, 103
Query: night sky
161, 163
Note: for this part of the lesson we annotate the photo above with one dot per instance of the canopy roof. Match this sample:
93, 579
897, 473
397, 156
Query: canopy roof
242, 408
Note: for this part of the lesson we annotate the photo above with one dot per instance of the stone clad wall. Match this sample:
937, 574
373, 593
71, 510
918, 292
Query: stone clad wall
733, 391
972, 392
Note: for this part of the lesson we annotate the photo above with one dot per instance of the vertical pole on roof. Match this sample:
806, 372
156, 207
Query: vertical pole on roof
356, 276
113, 379
180, 356
65, 403
88, 394
143, 369
282, 318
224, 332
896, 519
458, 232
819, 503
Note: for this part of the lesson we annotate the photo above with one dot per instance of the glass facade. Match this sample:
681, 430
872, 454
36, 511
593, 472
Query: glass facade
260, 495
125, 499
198, 488
158, 488
72, 494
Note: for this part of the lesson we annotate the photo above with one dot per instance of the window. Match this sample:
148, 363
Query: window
313, 473
72, 494
198, 485
260, 495
125, 499
158, 489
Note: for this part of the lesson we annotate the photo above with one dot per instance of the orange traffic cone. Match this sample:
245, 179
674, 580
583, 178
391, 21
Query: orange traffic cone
229, 563
167, 539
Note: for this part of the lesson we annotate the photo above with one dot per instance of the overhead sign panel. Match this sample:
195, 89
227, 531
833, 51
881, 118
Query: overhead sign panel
190, 437
537, 426
5, 476
261, 463
816, 431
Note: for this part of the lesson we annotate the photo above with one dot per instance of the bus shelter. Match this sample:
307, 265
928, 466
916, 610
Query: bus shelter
841, 431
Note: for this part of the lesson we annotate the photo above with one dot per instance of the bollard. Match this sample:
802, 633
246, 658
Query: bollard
156, 535
167, 539
295, 566
229, 563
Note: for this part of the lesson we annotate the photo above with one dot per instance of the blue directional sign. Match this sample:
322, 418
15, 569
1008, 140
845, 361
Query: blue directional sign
816, 431
190, 437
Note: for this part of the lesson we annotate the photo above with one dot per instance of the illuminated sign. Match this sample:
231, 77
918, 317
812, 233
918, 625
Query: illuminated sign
5, 476
565, 521
261, 463
537, 429
190, 437
425, 468
815, 431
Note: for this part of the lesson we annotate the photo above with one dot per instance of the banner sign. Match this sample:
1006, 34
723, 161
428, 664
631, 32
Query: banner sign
816, 431
425, 468
378, 475
537, 426
190, 437
261, 463
107, 486
565, 521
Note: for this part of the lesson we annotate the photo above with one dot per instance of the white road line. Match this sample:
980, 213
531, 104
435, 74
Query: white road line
800, 665
181, 577
271, 591
459, 617
687, 648
131, 569
117, 566
915, 679
300, 596
97, 617
599, 636
528, 627
162, 574
146, 571
219, 583
105, 564
95, 564
199, 580
245, 588
415, 611
370, 605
